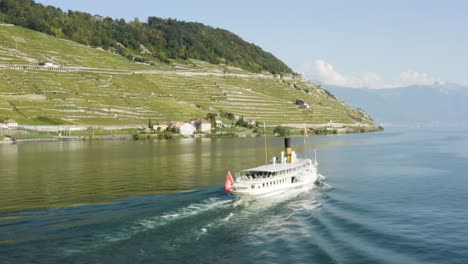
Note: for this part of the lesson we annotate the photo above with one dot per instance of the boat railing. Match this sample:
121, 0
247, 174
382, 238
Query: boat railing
262, 178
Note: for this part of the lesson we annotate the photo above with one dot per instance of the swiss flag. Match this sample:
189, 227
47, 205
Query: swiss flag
229, 183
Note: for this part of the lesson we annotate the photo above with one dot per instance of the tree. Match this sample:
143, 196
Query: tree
212, 118
281, 131
240, 122
150, 124
228, 115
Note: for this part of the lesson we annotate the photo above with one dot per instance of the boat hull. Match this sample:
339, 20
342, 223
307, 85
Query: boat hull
300, 188
304, 180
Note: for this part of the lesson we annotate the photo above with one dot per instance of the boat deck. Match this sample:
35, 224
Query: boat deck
276, 167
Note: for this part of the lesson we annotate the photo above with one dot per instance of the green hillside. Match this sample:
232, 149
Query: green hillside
93, 86
156, 39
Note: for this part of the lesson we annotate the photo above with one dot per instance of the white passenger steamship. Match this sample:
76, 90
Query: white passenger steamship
289, 172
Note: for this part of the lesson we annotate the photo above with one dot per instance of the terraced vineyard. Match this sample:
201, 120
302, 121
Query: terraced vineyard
105, 88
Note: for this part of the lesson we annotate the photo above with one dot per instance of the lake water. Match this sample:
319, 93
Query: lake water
399, 196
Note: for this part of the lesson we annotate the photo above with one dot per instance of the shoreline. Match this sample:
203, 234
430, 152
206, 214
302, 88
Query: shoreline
21, 136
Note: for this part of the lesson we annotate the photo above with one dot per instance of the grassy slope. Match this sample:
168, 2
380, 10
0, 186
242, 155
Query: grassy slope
115, 91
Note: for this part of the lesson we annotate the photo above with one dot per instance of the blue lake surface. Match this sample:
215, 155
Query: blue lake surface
399, 196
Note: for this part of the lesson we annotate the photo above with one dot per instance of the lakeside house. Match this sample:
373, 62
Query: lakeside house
203, 125
160, 125
175, 124
187, 129
220, 124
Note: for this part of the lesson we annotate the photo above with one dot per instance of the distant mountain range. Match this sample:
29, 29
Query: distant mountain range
440, 103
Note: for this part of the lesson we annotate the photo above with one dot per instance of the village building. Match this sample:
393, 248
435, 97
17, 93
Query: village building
187, 129
10, 123
355, 117
203, 125
175, 124
219, 124
160, 125
302, 104
98, 18
51, 65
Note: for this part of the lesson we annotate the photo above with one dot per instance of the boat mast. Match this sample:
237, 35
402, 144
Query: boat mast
264, 135
315, 156
305, 147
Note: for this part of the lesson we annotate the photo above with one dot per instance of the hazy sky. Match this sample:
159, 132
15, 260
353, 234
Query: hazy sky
351, 43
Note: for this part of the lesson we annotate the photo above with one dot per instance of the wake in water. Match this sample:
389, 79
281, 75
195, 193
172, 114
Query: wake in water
190, 222
139, 226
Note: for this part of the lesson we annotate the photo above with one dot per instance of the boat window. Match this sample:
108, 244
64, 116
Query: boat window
253, 186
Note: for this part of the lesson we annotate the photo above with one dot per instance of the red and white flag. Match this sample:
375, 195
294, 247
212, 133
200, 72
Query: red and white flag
305, 132
229, 183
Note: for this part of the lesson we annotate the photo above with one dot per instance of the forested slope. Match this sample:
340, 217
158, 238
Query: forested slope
156, 39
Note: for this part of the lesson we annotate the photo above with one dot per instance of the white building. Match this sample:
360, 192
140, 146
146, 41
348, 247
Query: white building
162, 126
50, 65
203, 125
187, 129
219, 123
10, 123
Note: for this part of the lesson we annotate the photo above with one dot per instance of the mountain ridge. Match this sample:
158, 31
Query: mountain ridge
155, 40
441, 103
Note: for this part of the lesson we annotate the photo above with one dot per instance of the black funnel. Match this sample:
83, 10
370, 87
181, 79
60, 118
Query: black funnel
287, 149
